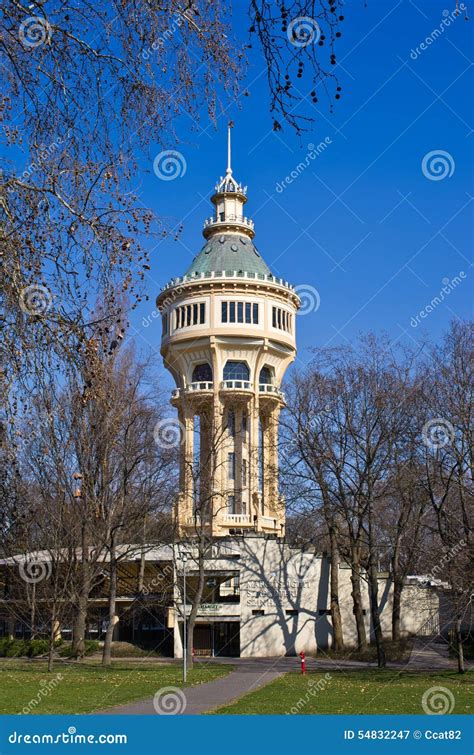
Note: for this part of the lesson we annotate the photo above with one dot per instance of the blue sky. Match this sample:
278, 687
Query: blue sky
361, 224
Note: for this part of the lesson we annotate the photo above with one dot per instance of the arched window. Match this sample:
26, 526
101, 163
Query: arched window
236, 371
265, 376
202, 373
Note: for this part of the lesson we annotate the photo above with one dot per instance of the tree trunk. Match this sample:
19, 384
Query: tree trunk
79, 629
357, 600
338, 636
397, 595
33, 612
374, 609
107, 651
459, 646
52, 639
196, 602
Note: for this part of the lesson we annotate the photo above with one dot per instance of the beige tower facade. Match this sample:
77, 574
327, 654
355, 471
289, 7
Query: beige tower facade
228, 335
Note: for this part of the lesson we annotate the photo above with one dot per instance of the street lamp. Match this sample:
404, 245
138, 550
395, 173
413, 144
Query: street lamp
184, 559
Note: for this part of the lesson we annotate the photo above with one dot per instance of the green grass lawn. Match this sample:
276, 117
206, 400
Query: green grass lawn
86, 687
347, 692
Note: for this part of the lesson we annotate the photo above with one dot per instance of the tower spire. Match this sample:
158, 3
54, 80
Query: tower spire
229, 147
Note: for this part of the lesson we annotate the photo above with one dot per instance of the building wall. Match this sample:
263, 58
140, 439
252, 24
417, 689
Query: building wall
276, 580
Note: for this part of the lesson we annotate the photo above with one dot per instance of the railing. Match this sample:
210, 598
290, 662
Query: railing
229, 274
202, 385
237, 519
269, 388
243, 385
229, 219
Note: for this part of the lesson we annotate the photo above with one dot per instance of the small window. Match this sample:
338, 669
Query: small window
202, 373
195, 314
240, 312
224, 311
291, 612
164, 324
258, 612
232, 311
274, 317
231, 465
244, 422
202, 313
265, 376
255, 313
231, 504
188, 315
248, 312
231, 422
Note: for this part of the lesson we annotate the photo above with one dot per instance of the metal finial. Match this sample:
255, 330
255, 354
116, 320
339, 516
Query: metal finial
230, 125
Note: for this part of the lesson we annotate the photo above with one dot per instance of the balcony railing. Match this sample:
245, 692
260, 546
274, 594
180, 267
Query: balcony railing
259, 277
236, 519
239, 385
247, 222
201, 386
269, 388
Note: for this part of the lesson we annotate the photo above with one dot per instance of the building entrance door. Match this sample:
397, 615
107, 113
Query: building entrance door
227, 639
202, 639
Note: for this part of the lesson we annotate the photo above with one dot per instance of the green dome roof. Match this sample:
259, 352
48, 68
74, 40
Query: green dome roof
228, 252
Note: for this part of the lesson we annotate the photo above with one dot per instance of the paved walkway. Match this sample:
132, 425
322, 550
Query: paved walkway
430, 653
249, 674
204, 697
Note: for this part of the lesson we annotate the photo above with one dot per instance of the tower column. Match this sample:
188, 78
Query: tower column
254, 459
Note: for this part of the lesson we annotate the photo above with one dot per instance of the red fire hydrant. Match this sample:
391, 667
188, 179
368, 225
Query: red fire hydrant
303, 663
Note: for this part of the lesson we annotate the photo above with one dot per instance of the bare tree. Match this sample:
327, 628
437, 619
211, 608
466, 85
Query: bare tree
446, 449
348, 419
